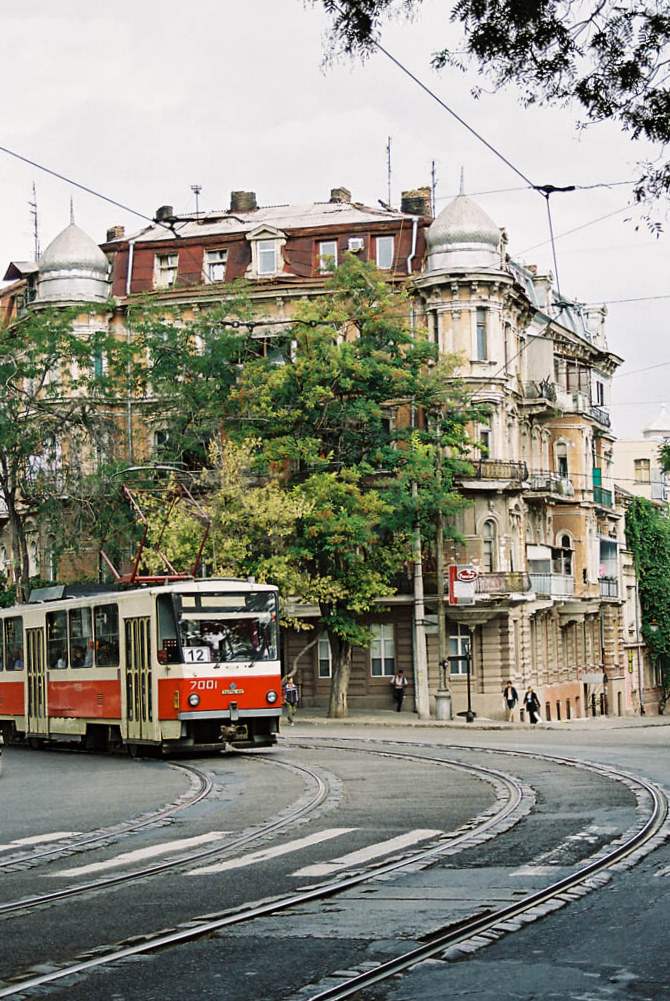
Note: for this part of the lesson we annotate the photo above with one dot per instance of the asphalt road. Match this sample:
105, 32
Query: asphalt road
608, 945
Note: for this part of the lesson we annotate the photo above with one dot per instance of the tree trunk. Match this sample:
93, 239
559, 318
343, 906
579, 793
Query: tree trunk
20, 551
341, 652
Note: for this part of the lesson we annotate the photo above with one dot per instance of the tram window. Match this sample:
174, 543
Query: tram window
14, 643
57, 640
168, 648
81, 637
106, 624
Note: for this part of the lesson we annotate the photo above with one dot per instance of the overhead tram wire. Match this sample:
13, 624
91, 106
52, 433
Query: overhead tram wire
83, 187
546, 190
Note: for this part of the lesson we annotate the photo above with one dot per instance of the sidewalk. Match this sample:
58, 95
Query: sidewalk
317, 716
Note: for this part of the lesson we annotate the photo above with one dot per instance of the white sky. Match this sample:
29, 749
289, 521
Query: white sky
147, 98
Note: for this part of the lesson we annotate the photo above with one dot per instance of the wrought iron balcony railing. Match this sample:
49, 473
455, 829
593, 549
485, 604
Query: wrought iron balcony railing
496, 469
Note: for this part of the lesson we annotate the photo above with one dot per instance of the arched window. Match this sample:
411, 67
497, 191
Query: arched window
565, 555
488, 546
561, 453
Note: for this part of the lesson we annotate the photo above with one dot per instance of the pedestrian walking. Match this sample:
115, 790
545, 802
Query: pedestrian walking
398, 686
291, 698
511, 698
532, 706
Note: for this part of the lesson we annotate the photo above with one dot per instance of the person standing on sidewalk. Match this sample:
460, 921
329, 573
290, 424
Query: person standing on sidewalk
511, 698
532, 706
291, 698
398, 686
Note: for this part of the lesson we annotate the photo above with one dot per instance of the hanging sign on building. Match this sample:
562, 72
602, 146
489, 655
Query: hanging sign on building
462, 584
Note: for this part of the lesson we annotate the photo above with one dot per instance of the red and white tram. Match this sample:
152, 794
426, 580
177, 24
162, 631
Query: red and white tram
176, 666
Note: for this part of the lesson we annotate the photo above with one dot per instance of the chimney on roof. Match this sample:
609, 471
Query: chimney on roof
417, 202
164, 214
243, 201
115, 233
340, 195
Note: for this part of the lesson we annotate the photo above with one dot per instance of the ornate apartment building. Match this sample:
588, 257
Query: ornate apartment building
543, 530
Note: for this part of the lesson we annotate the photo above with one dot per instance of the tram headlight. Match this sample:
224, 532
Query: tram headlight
194, 700
271, 696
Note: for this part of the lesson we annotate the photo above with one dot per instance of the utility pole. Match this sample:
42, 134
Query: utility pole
443, 694
421, 698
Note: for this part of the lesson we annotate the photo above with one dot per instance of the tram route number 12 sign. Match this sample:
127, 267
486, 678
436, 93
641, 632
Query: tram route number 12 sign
462, 584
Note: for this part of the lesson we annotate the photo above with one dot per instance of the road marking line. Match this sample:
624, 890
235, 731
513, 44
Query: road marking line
268, 853
371, 852
142, 854
38, 839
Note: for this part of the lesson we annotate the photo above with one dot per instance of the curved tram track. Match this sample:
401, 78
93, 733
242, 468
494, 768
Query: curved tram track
514, 800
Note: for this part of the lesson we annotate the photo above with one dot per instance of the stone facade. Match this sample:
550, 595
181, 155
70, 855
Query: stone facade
543, 528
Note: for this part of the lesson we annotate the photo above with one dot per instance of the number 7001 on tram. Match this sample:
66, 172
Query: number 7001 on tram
175, 666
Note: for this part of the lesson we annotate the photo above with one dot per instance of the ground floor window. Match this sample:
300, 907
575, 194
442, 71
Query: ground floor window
325, 658
459, 645
382, 651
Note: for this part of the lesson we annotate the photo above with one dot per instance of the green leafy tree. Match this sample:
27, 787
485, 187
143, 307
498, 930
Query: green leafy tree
606, 58
648, 536
54, 418
334, 418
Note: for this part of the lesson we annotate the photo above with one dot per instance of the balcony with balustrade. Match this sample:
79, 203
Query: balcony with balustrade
542, 482
487, 471
553, 585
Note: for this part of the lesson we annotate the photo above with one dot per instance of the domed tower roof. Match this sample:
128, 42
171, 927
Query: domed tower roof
73, 269
660, 427
462, 236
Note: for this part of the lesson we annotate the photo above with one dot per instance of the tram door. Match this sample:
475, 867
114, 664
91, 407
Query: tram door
138, 679
36, 696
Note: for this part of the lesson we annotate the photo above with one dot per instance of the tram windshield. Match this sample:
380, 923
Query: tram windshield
218, 628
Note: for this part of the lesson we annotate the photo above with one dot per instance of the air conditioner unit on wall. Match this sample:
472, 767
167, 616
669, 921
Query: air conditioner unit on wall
355, 244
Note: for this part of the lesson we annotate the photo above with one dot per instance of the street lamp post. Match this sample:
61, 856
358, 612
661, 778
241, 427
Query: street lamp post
467, 658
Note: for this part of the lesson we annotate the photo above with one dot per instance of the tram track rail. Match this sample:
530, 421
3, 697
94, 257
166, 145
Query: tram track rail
316, 800
201, 788
479, 929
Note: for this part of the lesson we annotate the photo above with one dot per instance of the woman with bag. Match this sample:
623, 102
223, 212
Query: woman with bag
531, 704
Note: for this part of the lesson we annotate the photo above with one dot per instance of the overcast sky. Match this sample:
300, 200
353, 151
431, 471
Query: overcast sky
143, 99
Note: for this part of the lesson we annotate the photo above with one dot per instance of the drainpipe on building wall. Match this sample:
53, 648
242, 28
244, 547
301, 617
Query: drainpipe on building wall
129, 398
415, 228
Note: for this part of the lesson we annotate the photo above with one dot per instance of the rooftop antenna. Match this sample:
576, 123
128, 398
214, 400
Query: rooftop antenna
433, 188
462, 188
71, 211
388, 172
196, 189
36, 236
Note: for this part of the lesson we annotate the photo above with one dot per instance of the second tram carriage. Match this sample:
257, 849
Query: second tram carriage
175, 666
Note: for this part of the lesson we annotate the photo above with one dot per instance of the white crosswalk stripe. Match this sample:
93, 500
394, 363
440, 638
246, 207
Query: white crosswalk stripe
37, 839
366, 854
268, 853
142, 854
